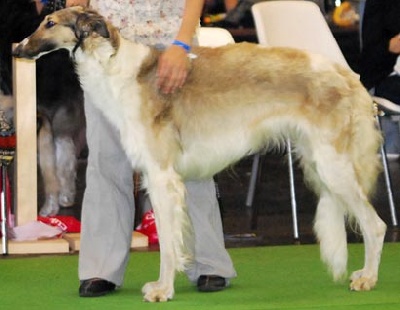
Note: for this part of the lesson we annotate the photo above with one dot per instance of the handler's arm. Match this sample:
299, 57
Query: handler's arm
173, 66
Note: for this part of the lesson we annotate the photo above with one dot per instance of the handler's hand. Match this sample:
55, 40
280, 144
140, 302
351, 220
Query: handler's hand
172, 69
394, 44
76, 2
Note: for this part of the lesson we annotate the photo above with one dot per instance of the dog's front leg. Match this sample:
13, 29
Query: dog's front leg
47, 163
66, 170
167, 194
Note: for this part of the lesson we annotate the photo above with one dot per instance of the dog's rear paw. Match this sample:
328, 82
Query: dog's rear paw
50, 207
66, 199
360, 282
155, 292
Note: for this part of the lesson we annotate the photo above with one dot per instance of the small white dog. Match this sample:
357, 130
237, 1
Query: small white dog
237, 100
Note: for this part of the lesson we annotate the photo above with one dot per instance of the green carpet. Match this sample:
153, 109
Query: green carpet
281, 277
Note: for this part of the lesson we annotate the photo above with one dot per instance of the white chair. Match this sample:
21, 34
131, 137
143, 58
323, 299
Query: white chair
300, 24
214, 36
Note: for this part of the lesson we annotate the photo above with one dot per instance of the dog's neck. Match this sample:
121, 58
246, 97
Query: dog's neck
107, 44
102, 51
129, 60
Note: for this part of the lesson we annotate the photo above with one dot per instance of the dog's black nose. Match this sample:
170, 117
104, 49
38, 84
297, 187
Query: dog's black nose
22, 50
17, 51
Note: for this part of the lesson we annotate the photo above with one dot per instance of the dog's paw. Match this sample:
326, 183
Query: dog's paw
66, 199
361, 282
155, 292
50, 207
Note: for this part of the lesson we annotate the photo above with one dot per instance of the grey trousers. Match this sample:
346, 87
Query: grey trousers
108, 212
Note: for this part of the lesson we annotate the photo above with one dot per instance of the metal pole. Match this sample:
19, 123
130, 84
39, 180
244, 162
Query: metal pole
386, 174
4, 238
292, 190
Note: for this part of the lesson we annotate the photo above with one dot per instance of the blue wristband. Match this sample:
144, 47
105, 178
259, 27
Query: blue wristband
44, 1
182, 44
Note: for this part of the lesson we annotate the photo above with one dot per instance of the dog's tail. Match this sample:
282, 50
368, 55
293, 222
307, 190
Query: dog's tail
365, 143
349, 182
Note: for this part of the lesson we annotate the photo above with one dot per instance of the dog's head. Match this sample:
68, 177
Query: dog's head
70, 29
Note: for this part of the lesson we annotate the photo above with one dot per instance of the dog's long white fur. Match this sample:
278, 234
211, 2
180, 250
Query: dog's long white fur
237, 100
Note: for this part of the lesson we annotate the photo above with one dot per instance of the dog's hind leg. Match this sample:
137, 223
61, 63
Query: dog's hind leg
329, 227
66, 170
47, 164
342, 195
321, 171
373, 230
167, 194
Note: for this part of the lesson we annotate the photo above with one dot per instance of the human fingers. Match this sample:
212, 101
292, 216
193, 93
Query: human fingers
394, 44
172, 69
70, 3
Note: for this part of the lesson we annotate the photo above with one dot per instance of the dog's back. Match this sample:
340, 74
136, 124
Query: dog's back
244, 88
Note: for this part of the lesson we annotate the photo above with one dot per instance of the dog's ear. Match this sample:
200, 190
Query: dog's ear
90, 22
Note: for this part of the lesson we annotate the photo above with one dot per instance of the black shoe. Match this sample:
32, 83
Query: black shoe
210, 283
95, 287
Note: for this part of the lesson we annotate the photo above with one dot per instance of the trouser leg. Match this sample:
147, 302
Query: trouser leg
211, 257
108, 204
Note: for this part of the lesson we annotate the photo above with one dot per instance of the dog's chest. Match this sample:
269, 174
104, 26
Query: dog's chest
118, 98
104, 87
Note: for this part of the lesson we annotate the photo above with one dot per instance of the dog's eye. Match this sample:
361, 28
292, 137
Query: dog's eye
50, 24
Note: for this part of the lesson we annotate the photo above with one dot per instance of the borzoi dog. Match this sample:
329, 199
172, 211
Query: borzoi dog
237, 100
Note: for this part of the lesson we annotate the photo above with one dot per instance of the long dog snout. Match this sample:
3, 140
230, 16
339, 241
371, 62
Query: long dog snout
65, 29
28, 49
57, 31
18, 51
25, 50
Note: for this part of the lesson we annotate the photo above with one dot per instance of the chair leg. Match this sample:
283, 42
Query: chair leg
4, 223
386, 173
219, 197
253, 180
253, 183
292, 190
